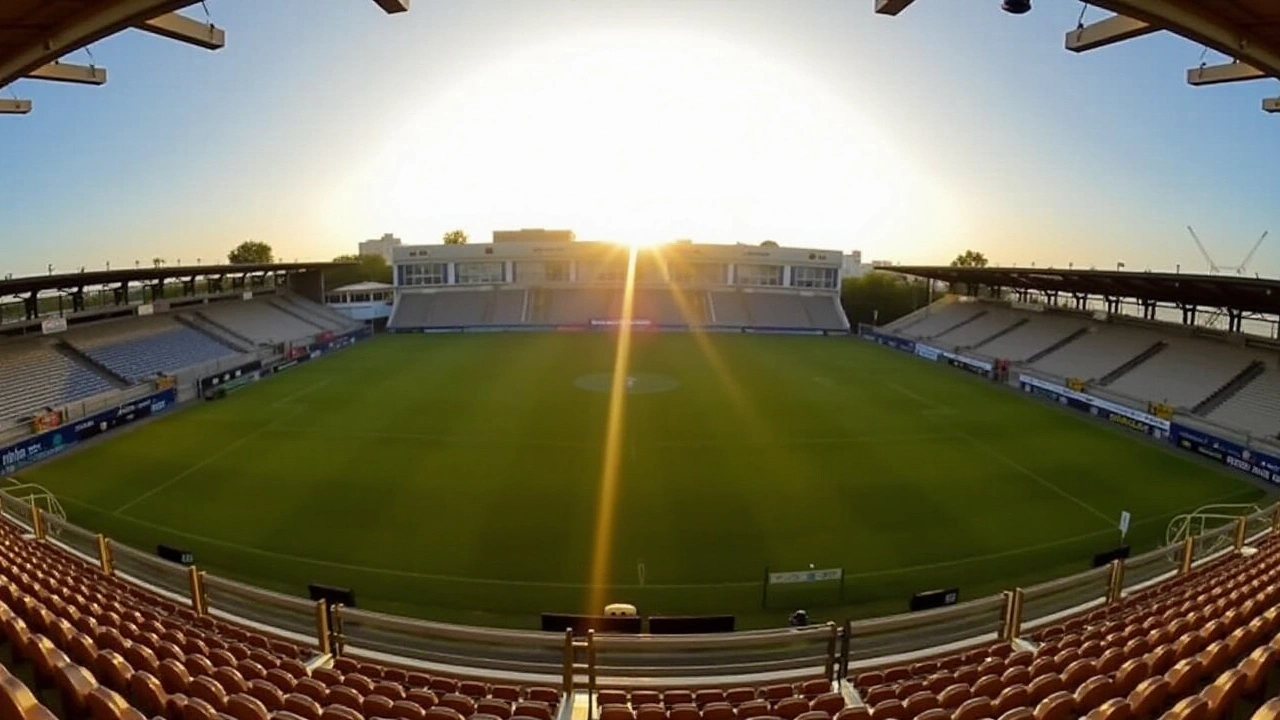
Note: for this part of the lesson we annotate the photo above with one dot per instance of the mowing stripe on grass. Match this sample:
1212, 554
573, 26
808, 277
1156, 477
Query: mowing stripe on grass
669, 586
168, 483
1034, 476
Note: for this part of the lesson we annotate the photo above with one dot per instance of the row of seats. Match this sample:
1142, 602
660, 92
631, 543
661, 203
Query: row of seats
168, 351
1175, 369
1150, 651
164, 660
579, 306
35, 375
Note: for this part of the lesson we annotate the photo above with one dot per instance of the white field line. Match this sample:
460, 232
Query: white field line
1036, 476
224, 451
673, 586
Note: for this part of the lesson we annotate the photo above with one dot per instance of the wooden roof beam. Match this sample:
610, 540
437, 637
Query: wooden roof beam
183, 29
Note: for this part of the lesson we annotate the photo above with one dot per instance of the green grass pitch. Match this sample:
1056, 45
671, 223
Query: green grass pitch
457, 477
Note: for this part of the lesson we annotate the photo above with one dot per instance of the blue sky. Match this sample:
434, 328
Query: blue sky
810, 122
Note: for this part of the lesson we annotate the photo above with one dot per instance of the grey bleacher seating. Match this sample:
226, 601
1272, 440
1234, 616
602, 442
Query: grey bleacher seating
318, 313
728, 308
824, 312
1186, 372
1103, 349
1256, 407
509, 307
412, 310
972, 333
460, 307
575, 306
259, 321
943, 318
1040, 332
775, 310
34, 375
167, 351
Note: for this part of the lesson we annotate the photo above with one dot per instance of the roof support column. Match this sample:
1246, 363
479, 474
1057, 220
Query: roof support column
31, 304
1188, 314
1148, 309
1235, 320
1082, 300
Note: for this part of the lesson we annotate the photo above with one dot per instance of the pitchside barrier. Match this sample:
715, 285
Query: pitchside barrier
828, 650
1243, 457
599, 325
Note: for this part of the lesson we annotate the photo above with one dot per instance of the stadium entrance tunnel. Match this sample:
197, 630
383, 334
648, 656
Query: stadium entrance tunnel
635, 383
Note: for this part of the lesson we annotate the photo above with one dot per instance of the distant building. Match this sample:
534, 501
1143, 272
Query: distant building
533, 235
382, 246
366, 301
851, 264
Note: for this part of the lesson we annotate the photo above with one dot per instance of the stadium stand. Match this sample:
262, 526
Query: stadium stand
1204, 644
1184, 373
824, 312
940, 319
39, 374
775, 310
258, 321
981, 329
727, 307
509, 307
1256, 406
1102, 349
138, 348
1040, 332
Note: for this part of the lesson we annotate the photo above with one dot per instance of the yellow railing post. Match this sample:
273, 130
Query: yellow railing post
1011, 615
591, 674
833, 636
1115, 581
338, 643
567, 671
104, 555
37, 520
195, 588
323, 640
1188, 554
1242, 523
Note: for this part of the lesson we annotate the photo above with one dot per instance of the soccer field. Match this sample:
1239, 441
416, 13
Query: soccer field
458, 477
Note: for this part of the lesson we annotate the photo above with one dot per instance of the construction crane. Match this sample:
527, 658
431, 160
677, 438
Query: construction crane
1215, 268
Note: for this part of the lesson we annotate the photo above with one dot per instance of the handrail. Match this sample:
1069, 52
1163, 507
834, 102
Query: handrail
781, 654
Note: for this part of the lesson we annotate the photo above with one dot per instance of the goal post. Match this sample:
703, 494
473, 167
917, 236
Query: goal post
814, 586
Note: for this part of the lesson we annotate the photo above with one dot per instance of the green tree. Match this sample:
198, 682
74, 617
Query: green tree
970, 258
157, 262
881, 297
251, 252
364, 268
769, 244
455, 237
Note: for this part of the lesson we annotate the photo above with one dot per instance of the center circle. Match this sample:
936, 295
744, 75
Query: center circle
633, 384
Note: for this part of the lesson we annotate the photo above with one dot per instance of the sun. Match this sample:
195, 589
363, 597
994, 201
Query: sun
646, 242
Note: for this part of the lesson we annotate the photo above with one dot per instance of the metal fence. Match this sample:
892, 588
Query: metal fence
1149, 566
287, 612
555, 658
150, 569
78, 539
1056, 596
513, 651
976, 620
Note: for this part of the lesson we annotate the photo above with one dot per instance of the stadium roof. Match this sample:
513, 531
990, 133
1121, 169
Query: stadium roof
37, 283
35, 34
1246, 30
1245, 294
